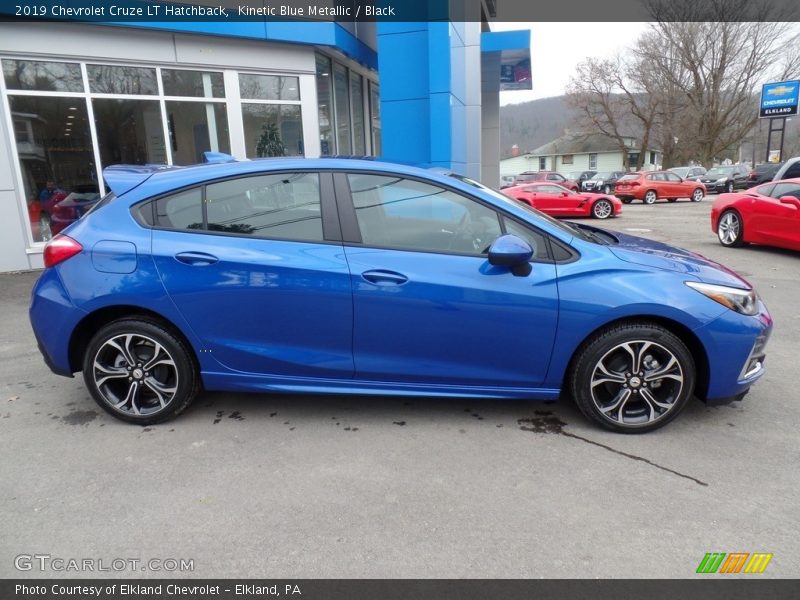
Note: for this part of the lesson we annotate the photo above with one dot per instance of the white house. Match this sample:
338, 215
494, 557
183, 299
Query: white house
579, 152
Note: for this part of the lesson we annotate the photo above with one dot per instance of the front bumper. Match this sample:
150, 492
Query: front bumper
736, 351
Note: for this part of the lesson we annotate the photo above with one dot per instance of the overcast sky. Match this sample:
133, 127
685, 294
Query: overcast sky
556, 49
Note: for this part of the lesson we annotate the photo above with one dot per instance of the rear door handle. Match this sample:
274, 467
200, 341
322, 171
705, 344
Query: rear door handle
380, 277
196, 259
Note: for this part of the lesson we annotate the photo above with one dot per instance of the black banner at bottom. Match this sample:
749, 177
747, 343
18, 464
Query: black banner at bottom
397, 589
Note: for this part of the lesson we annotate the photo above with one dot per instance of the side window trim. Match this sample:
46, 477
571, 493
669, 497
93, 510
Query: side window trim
331, 227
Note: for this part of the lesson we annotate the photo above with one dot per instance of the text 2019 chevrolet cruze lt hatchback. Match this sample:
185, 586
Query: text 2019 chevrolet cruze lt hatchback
362, 277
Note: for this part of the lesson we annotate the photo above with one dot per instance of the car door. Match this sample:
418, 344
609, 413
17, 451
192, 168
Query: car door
428, 306
774, 222
677, 187
549, 198
256, 267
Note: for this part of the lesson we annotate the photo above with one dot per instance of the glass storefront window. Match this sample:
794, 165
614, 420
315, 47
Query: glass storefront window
194, 128
54, 146
357, 98
196, 84
268, 87
341, 96
272, 130
109, 79
42, 76
325, 100
375, 117
129, 131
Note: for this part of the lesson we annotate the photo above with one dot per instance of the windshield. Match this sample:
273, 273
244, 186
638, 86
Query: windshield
720, 171
604, 175
511, 202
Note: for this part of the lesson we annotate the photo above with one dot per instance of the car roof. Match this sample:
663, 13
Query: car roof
124, 178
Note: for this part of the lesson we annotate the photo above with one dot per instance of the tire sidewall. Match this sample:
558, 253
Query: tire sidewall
650, 197
740, 235
599, 203
589, 355
188, 379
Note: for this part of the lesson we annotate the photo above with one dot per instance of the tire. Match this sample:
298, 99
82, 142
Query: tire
602, 209
698, 195
650, 197
730, 229
118, 373
626, 200
729, 187
45, 230
607, 190
610, 391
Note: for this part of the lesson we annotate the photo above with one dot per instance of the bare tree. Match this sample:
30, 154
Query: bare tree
713, 60
593, 92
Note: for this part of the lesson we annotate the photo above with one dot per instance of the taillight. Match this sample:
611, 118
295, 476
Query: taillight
59, 249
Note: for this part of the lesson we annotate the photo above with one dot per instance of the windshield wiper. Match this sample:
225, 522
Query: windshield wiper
589, 234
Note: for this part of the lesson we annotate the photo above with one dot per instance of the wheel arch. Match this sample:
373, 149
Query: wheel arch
686, 335
94, 321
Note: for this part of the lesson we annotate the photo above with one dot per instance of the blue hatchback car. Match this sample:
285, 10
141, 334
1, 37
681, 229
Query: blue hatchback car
361, 277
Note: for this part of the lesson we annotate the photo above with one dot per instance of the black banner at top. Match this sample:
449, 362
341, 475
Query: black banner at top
132, 11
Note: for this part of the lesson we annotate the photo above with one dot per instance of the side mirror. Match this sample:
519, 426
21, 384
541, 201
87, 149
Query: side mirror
510, 251
790, 200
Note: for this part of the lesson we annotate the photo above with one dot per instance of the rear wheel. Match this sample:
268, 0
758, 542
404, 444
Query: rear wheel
633, 377
140, 372
697, 195
650, 197
602, 209
730, 229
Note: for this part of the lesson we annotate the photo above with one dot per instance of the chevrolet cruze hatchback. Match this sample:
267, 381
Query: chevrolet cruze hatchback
361, 277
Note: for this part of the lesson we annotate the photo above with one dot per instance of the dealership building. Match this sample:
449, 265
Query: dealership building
78, 97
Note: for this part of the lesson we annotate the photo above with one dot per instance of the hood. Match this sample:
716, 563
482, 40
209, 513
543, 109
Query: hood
650, 253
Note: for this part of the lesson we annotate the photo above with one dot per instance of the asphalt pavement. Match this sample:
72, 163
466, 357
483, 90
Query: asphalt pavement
285, 486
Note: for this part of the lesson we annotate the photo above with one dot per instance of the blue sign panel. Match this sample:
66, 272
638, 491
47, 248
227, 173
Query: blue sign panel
779, 99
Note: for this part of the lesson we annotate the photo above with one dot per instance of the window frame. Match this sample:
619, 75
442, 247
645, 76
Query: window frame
331, 231
351, 232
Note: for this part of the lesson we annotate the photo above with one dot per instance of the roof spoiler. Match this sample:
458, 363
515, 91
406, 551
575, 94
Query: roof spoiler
123, 178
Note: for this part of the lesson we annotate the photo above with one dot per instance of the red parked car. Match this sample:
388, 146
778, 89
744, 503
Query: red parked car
649, 186
557, 201
551, 176
768, 214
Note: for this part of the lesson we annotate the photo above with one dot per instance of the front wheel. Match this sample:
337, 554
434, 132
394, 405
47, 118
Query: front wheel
697, 195
607, 190
140, 372
650, 197
602, 209
633, 377
730, 229
729, 187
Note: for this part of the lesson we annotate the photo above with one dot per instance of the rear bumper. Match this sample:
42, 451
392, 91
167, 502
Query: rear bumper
53, 319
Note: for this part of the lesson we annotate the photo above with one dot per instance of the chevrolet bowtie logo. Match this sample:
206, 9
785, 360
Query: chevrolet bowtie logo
781, 90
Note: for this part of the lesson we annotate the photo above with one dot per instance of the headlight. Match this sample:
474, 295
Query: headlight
722, 180
599, 182
742, 301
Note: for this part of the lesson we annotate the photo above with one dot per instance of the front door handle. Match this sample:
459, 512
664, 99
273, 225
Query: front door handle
196, 259
380, 277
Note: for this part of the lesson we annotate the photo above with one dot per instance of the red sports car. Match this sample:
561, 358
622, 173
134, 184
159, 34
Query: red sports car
649, 186
767, 214
550, 176
558, 201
